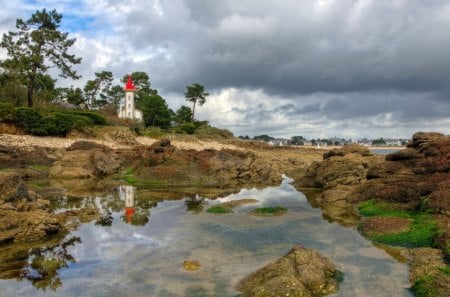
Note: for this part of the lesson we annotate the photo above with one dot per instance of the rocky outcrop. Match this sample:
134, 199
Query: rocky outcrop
12, 188
427, 273
85, 160
339, 174
19, 157
416, 179
301, 272
23, 216
163, 163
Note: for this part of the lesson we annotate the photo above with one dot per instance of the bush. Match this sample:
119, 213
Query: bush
153, 132
208, 131
94, 116
6, 112
55, 122
189, 128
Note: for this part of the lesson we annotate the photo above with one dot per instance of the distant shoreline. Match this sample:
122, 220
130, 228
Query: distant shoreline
330, 147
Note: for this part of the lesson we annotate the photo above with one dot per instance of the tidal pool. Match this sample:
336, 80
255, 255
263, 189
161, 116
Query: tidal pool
140, 247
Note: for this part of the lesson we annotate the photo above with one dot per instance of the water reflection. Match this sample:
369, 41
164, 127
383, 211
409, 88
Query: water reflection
132, 214
43, 264
194, 204
124, 260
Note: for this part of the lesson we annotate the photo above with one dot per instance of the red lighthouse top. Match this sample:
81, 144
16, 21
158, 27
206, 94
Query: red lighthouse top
129, 87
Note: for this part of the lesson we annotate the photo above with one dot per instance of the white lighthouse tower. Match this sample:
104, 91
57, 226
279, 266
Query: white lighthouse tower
128, 109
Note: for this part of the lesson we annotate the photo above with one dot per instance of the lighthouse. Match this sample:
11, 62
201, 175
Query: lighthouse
128, 108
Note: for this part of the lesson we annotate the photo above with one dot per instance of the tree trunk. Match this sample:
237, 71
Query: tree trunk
30, 91
193, 111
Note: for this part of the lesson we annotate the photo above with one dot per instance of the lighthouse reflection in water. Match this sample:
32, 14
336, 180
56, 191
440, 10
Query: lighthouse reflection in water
133, 214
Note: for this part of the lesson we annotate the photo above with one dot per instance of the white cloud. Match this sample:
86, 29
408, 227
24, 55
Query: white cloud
316, 68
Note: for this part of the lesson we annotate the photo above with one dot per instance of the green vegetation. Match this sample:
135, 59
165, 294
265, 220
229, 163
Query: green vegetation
445, 270
36, 47
425, 287
55, 121
422, 230
219, 210
141, 183
195, 93
379, 141
39, 184
372, 208
6, 111
269, 211
263, 137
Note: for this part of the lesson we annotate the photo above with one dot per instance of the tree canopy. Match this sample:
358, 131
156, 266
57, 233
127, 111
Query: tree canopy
156, 111
195, 93
36, 46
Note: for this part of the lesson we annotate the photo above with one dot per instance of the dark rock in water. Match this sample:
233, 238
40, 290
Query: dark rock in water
301, 272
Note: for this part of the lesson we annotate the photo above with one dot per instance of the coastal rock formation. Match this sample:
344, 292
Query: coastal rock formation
301, 272
85, 160
23, 217
402, 190
427, 272
162, 163
339, 174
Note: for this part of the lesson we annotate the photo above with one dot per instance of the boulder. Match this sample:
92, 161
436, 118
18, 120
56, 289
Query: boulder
85, 163
406, 154
12, 188
301, 272
84, 145
122, 135
20, 226
348, 149
427, 272
420, 139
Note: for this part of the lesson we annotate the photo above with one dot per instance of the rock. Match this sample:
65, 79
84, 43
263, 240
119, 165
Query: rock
87, 146
81, 164
426, 272
12, 188
9, 157
340, 172
384, 225
302, 272
419, 139
18, 226
122, 135
406, 154
191, 265
438, 202
236, 203
348, 149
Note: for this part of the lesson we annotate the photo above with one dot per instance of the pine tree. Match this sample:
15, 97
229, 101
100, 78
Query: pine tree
36, 46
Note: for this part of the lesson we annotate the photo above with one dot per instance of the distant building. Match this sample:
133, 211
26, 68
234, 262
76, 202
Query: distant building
278, 142
128, 109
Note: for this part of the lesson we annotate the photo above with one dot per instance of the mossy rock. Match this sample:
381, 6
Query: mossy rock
219, 210
269, 211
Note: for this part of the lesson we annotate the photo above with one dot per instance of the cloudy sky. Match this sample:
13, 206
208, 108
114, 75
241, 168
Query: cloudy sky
317, 68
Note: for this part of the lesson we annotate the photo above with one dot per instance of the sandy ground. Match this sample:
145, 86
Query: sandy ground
58, 142
196, 144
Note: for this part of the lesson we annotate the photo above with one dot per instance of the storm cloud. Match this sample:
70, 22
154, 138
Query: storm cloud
348, 67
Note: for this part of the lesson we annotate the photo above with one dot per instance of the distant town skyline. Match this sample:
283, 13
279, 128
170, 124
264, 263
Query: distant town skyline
318, 68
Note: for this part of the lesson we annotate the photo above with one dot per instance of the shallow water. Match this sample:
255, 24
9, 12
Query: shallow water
146, 259
384, 151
